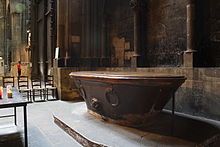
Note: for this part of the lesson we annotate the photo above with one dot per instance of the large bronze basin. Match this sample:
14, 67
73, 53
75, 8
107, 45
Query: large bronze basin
129, 98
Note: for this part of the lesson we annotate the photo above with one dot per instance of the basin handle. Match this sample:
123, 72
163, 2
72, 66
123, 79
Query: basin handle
95, 104
112, 97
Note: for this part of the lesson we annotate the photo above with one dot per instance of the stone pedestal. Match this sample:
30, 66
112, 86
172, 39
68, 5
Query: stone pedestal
65, 85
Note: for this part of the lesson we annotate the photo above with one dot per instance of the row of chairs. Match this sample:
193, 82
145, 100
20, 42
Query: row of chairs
40, 88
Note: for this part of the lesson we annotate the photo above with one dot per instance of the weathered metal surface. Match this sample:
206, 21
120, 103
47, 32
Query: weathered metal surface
126, 98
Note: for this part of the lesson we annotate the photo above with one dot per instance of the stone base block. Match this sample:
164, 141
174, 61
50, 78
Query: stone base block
189, 59
65, 85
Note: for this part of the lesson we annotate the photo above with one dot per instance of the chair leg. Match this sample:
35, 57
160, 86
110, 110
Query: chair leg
53, 93
28, 95
56, 94
31, 97
44, 91
47, 94
34, 95
40, 94
15, 116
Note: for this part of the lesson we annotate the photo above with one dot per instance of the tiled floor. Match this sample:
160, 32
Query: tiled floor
42, 131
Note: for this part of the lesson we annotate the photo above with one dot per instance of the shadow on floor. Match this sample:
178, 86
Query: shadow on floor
76, 100
185, 128
11, 138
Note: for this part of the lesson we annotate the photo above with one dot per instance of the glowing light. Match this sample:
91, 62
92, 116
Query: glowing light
9, 91
1, 90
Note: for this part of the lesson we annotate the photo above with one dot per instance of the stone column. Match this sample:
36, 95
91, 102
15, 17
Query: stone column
104, 48
84, 32
68, 37
138, 7
87, 24
65, 12
34, 39
190, 53
61, 31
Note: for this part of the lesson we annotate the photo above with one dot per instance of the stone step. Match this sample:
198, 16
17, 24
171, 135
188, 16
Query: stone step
90, 131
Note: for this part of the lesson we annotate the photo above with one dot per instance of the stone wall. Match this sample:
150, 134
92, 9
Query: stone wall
166, 32
198, 96
165, 40
120, 32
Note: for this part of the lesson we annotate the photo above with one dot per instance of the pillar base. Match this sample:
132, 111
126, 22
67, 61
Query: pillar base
190, 58
64, 62
59, 62
138, 61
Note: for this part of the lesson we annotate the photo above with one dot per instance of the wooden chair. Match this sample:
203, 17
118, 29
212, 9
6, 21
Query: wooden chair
36, 85
49, 86
8, 80
23, 86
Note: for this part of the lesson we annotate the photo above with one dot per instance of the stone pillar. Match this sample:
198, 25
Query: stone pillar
3, 34
190, 53
61, 31
138, 7
68, 41
86, 32
104, 48
65, 11
34, 39
93, 32
17, 36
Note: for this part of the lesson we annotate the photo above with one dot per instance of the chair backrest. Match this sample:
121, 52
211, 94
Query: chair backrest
8, 80
49, 82
36, 82
23, 82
